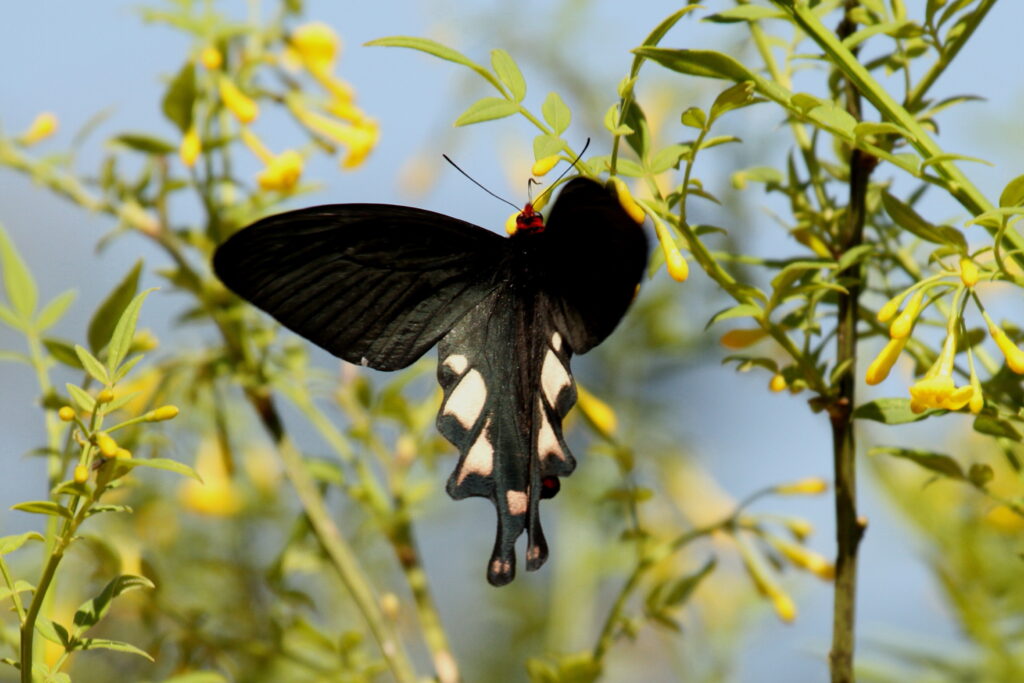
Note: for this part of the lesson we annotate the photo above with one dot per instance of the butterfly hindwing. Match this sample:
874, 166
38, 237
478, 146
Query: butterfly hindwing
507, 386
374, 284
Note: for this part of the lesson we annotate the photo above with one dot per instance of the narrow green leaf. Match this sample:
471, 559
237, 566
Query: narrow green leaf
162, 464
508, 73
55, 310
21, 288
834, 118
15, 357
105, 644
995, 426
735, 96
708, 143
680, 591
890, 411
81, 399
43, 507
866, 128
197, 677
855, 255
8, 544
908, 219
180, 95
487, 109
126, 367
20, 586
12, 319
101, 326
92, 365
92, 611
63, 352
99, 509
52, 631
745, 13
1013, 193
739, 311
124, 331
668, 157
694, 118
655, 36
556, 112
706, 63
930, 460
436, 49
148, 144
941, 158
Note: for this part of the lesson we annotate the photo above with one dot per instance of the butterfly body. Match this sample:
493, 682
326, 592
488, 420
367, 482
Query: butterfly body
380, 284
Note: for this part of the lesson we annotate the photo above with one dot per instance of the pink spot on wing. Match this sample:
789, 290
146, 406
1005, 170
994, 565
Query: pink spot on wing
466, 401
547, 442
457, 362
517, 502
480, 458
553, 378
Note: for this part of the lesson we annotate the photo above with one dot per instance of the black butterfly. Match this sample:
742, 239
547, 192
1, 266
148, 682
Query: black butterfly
378, 285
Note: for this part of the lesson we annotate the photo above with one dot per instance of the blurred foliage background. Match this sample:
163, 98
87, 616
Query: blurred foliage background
652, 566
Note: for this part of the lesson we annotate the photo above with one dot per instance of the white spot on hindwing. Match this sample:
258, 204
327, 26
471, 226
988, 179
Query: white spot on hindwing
553, 378
517, 502
364, 361
556, 341
547, 442
467, 399
480, 457
457, 363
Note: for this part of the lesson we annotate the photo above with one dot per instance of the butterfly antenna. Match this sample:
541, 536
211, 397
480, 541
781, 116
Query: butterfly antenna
571, 166
474, 181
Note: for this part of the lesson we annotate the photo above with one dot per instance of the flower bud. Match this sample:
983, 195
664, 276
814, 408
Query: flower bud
211, 58
904, 322
542, 166
81, 474
191, 147
883, 362
168, 412
66, 413
123, 454
238, 103
105, 396
108, 447
777, 383
626, 199
811, 486
43, 126
599, 413
1012, 352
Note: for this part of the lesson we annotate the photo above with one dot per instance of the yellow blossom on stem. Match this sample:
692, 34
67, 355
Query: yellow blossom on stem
542, 166
66, 413
890, 308
316, 44
358, 139
800, 528
108, 447
904, 322
777, 383
105, 396
211, 58
805, 558
81, 474
977, 402
742, 338
883, 362
346, 110
1012, 352
626, 199
168, 412
238, 103
968, 272
599, 413
191, 147
43, 126
764, 580
282, 173
936, 389
123, 454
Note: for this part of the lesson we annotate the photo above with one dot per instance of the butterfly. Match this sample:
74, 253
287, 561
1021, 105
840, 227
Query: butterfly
378, 285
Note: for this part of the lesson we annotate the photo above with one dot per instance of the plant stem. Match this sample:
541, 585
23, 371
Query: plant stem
28, 626
849, 529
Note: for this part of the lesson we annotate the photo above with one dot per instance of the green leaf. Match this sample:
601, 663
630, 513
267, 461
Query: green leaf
20, 586
508, 73
63, 352
995, 426
739, 311
92, 365
930, 460
745, 13
436, 49
980, 474
101, 326
834, 118
8, 544
680, 591
148, 144
668, 157
105, 644
197, 677
83, 400
734, 97
546, 145
942, 158
52, 631
13, 320
611, 122
655, 36
21, 288
125, 368
124, 331
706, 63
866, 128
556, 113
855, 255
55, 310
694, 117
43, 507
162, 464
1013, 193
91, 611
890, 411
757, 174
15, 357
181, 94
908, 219
487, 109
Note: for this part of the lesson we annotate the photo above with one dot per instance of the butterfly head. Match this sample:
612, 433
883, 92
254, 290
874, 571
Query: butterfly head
529, 221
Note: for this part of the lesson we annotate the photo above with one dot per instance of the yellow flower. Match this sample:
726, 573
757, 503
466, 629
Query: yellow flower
599, 413
218, 494
968, 272
66, 413
626, 199
105, 396
542, 166
883, 362
890, 308
936, 389
904, 322
316, 44
1012, 352
742, 338
346, 110
168, 412
777, 383
191, 147
108, 447
805, 558
282, 173
358, 139
81, 474
211, 58
238, 103
43, 126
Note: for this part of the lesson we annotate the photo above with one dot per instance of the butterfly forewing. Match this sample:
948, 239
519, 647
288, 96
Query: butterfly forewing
373, 284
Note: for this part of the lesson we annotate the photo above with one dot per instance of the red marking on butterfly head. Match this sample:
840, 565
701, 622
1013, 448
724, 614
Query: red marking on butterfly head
529, 221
